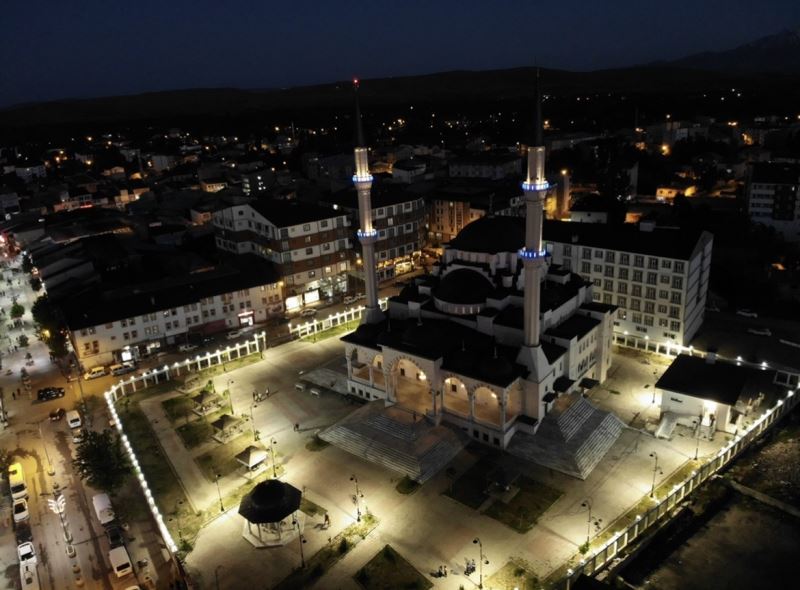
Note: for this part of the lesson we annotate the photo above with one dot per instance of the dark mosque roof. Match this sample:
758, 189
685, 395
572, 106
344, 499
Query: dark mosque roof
463, 350
491, 234
463, 286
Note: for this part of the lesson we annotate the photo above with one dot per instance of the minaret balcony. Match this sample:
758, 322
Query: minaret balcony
367, 235
362, 178
526, 254
541, 185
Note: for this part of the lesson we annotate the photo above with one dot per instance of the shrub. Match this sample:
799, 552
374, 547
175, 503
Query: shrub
343, 546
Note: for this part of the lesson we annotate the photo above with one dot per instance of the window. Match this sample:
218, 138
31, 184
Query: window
606, 298
309, 251
674, 312
637, 318
567, 250
676, 297
678, 266
663, 294
666, 263
323, 223
675, 326
597, 268
663, 323
598, 254
637, 276
622, 301
651, 278
312, 274
610, 256
662, 308
623, 273
622, 314
622, 288
652, 263
636, 291
608, 271
638, 261
307, 227
650, 293
587, 253
664, 279
677, 282
624, 259
608, 285
649, 307
636, 305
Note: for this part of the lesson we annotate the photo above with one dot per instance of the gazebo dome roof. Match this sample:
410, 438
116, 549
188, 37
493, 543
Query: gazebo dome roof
270, 501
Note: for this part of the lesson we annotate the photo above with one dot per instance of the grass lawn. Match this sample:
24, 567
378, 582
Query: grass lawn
310, 508
329, 555
222, 459
525, 508
470, 488
194, 433
339, 330
178, 408
514, 574
407, 486
389, 571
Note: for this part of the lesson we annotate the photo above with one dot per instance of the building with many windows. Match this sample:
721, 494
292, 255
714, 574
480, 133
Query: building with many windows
657, 277
399, 218
108, 325
773, 197
310, 245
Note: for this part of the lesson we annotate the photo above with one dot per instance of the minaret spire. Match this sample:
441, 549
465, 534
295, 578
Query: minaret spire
367, 235
532, 255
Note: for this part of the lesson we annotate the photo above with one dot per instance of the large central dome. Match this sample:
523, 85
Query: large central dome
491, 234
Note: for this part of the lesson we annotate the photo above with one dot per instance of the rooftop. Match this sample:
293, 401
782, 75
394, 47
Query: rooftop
288, 213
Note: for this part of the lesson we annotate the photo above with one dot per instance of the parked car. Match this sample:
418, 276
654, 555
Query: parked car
57, 414
122, 368
350, 299
236, 334
21, 510
115, 537
188, 347
78, 436
308, 313
48, 393
26, 553
94, 373
74, 419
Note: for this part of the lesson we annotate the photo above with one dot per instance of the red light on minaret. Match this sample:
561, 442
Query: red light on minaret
355, 81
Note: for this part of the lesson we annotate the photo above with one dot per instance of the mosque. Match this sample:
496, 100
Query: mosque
496, 345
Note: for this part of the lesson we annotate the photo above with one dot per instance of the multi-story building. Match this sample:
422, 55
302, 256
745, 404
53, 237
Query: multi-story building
657, 277
399, 218
487, 165
112, 325
455, 205
773, 197
310, 245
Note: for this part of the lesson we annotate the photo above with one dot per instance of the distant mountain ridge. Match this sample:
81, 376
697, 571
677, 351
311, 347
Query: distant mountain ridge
778, 53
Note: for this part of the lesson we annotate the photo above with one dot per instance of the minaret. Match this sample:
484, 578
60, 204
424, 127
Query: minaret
366, 234
532, 255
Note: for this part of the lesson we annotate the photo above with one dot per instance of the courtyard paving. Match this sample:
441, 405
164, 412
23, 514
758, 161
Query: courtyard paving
427, 527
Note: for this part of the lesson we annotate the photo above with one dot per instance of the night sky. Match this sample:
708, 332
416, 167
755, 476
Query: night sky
59, 49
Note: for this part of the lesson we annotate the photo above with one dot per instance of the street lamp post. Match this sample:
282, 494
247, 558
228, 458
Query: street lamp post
655, 375
358, 495
696, 439
219, 493
588, 504
477, 541
272, 443
302, 540
656, 471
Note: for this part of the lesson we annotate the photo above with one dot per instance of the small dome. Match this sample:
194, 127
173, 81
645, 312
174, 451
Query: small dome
491, 234
463, 286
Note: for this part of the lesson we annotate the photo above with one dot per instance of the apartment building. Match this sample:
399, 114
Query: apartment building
399, 217
120, 324
310, 245
657, 277
454, 205
773, 197
491, 165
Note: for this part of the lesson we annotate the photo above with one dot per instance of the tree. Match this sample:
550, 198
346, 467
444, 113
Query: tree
17, 311
51, 328
23, 340
36, 284
101, 462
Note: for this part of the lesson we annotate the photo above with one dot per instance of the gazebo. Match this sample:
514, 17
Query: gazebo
272, 514
253, 458
226, 427
205, 402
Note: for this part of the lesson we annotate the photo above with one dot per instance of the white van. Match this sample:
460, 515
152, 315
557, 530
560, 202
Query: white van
120, 562
122, 368
94, 373
16, 480
103, 509
74, 419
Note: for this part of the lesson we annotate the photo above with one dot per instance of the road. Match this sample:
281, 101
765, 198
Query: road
44, 447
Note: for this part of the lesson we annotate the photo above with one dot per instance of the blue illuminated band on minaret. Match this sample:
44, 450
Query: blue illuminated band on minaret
367, 235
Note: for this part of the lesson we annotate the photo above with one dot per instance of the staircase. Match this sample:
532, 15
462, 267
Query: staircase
573, 438
669, 420
396, 439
